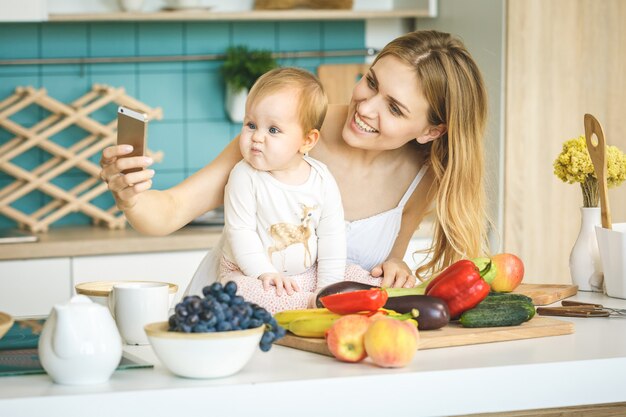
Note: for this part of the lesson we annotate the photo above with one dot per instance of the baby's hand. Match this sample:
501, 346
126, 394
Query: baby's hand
280, 282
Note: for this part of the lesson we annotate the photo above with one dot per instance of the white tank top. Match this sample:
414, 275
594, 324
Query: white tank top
371, 239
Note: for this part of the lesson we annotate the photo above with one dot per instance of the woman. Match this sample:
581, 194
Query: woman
411, 137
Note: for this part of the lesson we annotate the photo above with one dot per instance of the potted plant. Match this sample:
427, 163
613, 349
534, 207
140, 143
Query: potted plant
242, 67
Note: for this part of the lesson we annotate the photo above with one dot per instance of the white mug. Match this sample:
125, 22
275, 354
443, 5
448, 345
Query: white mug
135, 304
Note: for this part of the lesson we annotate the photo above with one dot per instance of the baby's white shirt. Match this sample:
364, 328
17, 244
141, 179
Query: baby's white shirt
264, 216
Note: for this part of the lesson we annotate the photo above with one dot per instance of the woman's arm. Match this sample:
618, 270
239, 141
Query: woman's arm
162, 212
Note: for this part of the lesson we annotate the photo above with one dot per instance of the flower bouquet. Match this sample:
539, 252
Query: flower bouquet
574, 165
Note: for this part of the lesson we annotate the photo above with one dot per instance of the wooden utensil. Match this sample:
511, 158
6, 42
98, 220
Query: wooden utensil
597, 152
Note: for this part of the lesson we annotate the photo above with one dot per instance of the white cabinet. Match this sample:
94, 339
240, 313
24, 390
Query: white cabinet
175, 267
31, 287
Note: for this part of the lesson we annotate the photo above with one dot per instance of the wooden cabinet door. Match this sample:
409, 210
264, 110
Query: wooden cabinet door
564, 58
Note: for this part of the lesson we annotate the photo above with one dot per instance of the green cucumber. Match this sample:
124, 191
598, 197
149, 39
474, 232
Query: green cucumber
509, 314
508, 299
501, 296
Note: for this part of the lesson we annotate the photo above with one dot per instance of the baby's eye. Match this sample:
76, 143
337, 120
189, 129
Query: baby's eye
274, 130
251, 125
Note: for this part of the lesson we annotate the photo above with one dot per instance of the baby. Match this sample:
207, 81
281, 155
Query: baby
284, 220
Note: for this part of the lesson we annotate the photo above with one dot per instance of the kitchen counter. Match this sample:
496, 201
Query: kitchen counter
92, 240
587, 367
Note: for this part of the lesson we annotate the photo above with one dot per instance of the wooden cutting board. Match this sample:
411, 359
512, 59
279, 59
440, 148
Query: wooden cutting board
544, 294
339, 80
455, 335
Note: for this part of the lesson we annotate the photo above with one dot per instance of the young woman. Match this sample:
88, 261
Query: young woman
410, 139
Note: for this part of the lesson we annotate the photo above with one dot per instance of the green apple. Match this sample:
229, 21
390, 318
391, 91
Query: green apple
487, 269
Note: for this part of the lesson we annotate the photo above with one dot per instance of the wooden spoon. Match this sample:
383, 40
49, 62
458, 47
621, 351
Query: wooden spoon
598, 157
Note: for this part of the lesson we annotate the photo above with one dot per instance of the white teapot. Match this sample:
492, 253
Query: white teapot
79, 343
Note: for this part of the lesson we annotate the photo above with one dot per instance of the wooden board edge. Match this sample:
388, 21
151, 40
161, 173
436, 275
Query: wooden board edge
544, 300
503, 334
313, 345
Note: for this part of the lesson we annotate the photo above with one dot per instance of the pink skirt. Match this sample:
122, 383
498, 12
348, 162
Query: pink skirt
251, 289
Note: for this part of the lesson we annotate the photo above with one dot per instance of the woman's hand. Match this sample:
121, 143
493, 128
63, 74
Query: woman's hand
280, 282
396, 273
125, 187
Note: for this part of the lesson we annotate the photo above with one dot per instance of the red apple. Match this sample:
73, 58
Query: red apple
509, 272
345, 338
391, 343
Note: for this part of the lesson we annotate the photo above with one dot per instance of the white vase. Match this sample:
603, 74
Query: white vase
236, 104
584, 260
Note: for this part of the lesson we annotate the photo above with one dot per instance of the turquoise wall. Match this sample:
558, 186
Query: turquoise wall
194, 128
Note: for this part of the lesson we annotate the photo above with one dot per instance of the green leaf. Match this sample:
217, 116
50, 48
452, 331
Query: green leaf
242, 67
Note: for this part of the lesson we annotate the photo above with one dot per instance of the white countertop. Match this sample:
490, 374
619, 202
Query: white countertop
587, 367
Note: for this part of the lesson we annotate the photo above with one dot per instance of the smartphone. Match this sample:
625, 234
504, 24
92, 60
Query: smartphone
132, 127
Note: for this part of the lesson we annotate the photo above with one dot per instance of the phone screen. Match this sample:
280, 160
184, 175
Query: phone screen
131, 130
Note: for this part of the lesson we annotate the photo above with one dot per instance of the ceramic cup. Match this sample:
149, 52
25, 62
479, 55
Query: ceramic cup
135, 304
612, 247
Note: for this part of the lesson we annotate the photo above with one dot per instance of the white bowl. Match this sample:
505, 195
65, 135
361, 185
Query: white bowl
203, 355
98, 291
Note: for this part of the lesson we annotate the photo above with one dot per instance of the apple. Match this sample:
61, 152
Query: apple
509, 272
486, 268
345, 337
391, 343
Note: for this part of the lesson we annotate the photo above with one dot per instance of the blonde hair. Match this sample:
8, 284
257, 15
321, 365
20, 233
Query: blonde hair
312, 100
457, 98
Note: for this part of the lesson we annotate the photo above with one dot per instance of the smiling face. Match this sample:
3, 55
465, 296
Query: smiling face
388, 108
272, 138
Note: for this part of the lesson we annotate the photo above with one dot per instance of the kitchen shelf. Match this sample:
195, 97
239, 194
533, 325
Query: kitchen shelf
207, 15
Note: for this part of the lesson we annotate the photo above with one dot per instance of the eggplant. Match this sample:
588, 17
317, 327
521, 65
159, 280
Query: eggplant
433, 311
340, 288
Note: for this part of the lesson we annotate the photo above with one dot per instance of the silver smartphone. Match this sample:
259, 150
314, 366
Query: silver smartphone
132, 129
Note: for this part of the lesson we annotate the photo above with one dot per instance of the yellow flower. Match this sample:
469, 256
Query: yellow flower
574, 164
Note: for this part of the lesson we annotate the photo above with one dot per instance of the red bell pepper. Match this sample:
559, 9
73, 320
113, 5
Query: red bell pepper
355, 301
460, 286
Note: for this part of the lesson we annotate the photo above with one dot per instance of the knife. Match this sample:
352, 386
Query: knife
573, 311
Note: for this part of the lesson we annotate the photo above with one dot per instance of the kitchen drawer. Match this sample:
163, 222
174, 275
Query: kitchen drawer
32, 287
175, 267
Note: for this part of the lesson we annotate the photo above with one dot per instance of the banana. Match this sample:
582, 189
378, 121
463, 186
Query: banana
312, 327
285, 317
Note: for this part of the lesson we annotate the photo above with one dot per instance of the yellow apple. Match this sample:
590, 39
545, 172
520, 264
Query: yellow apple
391, 343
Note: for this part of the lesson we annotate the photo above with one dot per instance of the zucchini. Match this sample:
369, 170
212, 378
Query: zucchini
509, 314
